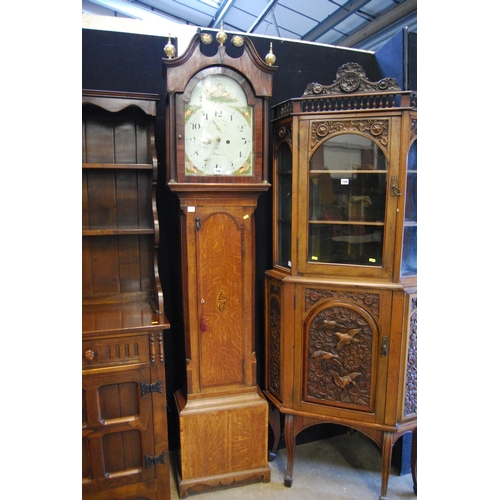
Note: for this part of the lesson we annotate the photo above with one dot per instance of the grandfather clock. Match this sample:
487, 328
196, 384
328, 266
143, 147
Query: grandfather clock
217, 149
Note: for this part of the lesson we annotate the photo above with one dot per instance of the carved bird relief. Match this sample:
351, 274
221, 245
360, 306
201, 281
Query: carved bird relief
330, 323
347, 338
325, 355
344, 381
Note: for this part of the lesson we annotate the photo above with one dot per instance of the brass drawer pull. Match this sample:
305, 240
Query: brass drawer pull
89, 355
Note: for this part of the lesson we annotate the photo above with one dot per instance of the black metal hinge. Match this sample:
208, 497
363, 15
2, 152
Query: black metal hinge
160, 459
148, 388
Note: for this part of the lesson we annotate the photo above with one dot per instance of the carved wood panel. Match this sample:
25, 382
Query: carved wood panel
370, 301
339, 369
275, 339
283, 133
377, 129
411, 367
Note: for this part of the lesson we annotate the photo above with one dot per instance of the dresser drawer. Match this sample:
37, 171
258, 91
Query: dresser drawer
115, 351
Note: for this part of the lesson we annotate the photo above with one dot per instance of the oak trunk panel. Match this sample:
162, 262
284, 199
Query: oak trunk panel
218, 437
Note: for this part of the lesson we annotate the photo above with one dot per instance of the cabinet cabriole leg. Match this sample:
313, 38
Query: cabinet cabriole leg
386, 463
290, 449
414, 460
275, 424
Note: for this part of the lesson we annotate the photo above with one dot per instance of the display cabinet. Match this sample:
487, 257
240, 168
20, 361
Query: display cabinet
341, 303
124, 421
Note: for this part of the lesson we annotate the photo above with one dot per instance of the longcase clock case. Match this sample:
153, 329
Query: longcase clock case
341, 303
217, 135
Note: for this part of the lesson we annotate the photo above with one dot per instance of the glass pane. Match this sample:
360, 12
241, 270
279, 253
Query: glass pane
409, 263
346, 244
284, 168
347, 183
409, 259
411, 184
411, 197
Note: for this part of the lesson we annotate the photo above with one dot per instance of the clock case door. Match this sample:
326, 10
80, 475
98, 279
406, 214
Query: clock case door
219, 322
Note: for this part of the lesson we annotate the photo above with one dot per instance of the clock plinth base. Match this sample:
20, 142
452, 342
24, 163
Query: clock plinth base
223, 442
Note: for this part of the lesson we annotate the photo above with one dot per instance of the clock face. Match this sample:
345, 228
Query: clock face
218, 129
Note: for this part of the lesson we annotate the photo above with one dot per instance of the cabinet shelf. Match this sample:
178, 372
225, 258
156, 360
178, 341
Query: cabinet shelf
346, 223
118, 166
352, 171
120, 317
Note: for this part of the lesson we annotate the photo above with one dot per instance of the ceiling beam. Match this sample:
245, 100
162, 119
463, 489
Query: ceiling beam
221, 13
262, 15
393, 16
342, 13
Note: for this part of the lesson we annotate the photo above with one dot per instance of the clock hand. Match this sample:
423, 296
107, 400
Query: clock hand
220, 125
217, 126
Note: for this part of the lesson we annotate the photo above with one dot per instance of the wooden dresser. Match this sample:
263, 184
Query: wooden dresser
124, 419
341, 299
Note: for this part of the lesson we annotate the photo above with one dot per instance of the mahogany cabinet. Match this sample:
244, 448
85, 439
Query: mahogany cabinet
124, 419
341, 299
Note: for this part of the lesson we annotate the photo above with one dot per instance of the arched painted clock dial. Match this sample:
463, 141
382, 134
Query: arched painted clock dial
218, 129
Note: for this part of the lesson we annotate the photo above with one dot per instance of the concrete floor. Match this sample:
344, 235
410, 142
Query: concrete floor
343, 467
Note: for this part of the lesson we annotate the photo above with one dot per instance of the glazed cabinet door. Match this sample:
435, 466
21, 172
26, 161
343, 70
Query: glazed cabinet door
342, 347
348, 209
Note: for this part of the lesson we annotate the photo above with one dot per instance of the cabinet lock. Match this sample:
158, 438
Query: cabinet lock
395, 191
384, 350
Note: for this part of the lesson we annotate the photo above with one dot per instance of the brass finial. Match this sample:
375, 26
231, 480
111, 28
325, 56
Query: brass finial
270, 58
221, 36
169, 48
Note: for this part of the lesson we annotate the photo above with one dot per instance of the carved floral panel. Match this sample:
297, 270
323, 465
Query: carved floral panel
370, 301
377, 129
274, 340
411, 367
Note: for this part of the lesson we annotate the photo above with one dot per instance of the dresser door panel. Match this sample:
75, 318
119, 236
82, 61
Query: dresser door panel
117, 427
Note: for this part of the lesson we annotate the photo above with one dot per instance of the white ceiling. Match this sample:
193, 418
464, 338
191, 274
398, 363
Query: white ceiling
361, 24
